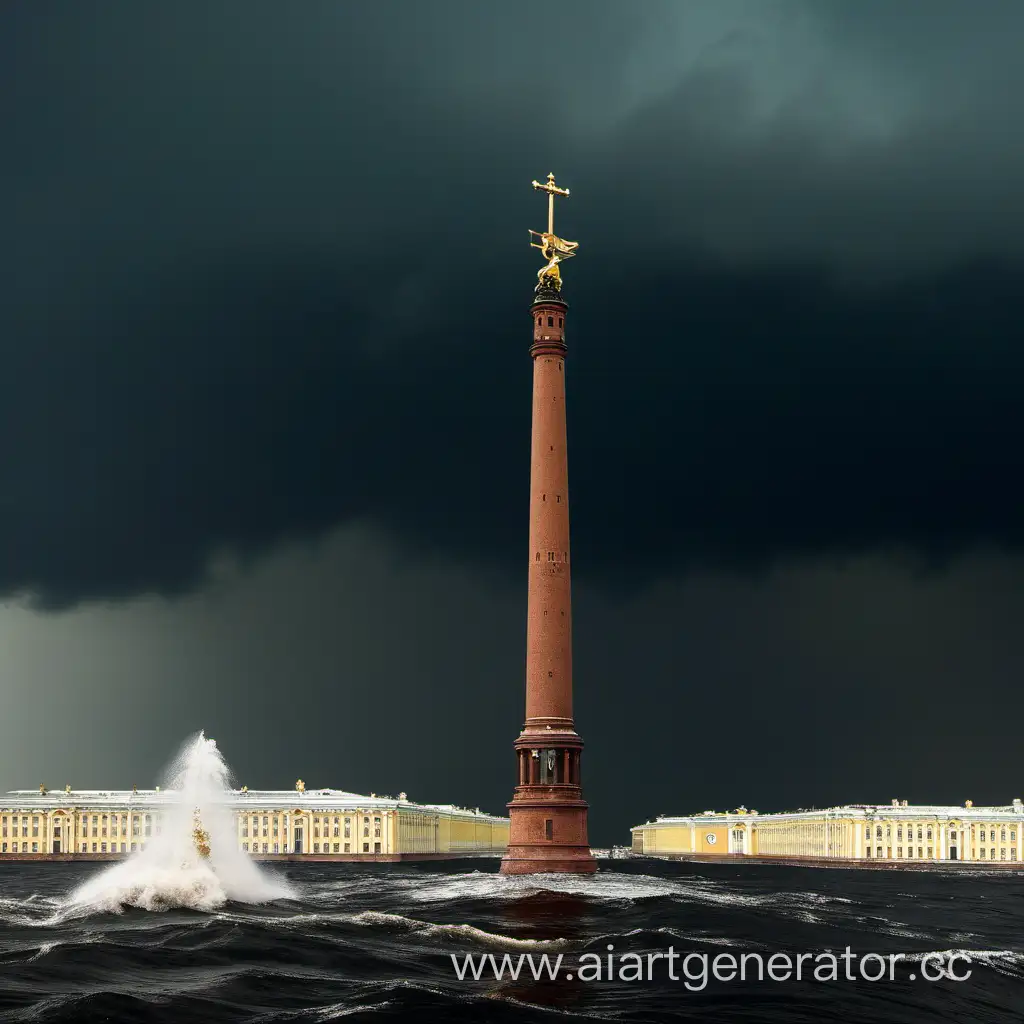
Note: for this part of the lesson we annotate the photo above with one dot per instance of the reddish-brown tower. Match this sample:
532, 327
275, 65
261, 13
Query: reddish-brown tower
548, 812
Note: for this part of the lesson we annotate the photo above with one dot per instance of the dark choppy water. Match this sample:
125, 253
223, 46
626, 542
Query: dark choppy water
376, 944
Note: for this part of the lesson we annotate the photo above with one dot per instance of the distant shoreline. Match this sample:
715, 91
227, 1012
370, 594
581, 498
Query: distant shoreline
851, 865
290, 858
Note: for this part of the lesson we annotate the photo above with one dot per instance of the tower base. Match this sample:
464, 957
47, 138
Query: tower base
537, 860
548, 832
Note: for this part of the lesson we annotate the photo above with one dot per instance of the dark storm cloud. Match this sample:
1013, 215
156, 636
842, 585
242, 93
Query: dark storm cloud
267, 273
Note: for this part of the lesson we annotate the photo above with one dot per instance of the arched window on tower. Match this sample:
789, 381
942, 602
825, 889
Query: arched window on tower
551, 321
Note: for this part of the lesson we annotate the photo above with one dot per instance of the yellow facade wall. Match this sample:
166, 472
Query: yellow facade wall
868, 833
285, 829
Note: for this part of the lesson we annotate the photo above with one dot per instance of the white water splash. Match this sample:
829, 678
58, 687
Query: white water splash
169, 872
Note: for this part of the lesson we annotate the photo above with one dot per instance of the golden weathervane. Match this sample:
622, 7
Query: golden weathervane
554, 249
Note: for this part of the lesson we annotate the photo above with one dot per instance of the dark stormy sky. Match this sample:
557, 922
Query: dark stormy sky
265, 394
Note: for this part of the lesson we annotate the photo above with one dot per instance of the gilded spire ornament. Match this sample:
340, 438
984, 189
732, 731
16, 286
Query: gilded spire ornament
200, 837
554, 249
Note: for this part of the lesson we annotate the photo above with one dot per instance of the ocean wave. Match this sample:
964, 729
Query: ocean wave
155, 886
459, 931
1008, 962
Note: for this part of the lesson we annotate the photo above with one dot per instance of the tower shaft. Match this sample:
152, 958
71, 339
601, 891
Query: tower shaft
548, 813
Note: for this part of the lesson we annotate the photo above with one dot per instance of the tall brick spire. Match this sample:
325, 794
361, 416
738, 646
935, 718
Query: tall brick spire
548, 812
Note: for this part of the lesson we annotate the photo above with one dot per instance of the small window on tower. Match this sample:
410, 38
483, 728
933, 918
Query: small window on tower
549, 828
538, 556
559, 321
551, 321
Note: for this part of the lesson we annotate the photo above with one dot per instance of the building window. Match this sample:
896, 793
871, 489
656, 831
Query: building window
992, 836
549, 828
929, 833
316, 847
559, 324
103, 847
366, 830
1013, 835
867, 831
1002, 835
551, 321
899, 851
899, 833
93, 847
1002, 853
335, 848
376, 847
981, 854
1013, 854
929, 853
878, 832
348, 847
245, 847
910, 852
993, 852
366, 847
878, 852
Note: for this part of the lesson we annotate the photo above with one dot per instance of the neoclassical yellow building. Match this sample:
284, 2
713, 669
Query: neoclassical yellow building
879, 833
298, 824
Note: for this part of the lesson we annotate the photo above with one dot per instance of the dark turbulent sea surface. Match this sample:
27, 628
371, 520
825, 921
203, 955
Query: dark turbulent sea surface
377, 944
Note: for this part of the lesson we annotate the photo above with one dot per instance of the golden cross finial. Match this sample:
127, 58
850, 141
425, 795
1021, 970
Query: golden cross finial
552, 190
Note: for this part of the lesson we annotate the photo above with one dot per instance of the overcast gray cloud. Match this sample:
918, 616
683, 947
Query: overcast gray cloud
348, 667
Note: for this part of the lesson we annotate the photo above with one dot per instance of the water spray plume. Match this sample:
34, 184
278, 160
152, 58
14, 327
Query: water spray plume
194, 861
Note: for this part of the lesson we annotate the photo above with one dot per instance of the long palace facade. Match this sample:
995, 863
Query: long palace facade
882, 834
324, 824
